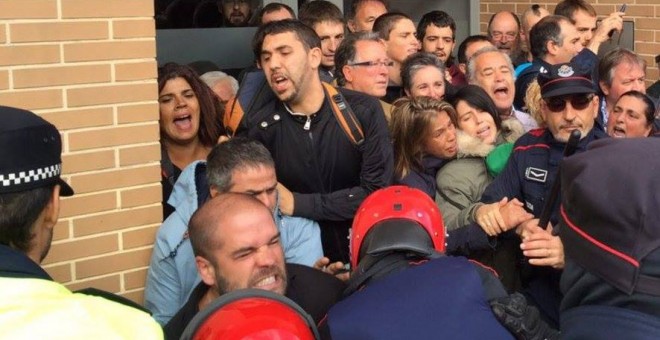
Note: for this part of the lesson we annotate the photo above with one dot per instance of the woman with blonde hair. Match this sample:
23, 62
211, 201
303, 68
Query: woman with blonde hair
424, 137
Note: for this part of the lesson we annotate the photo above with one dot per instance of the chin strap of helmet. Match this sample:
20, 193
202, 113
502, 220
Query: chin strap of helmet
376, 266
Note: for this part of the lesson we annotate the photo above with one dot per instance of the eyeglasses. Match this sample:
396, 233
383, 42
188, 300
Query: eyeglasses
508, 36
578, 102
373, 63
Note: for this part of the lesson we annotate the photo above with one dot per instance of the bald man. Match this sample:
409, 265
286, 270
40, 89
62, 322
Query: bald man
237, 246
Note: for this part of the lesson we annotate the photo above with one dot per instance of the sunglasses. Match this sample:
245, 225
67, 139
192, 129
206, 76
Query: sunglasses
578, 102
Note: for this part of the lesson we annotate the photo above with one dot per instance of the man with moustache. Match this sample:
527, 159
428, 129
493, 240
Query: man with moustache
325, 172
235, 13
504, 32
237, 246
568, 103
491, 69
436, 32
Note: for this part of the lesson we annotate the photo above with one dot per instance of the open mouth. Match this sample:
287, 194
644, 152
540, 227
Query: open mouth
501, 91
183, 122
618, 132
483, 132
279, 82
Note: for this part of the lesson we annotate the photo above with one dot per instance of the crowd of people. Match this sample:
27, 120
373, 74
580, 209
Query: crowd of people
382, 185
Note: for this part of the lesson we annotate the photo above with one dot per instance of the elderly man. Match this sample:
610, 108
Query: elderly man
363, 14
491, 69
32, 305
362, 64
240, 166
398, 32
222, 84
620, 70
504, 31
237, 245
325, 170
553, 40
568, 103
327, 21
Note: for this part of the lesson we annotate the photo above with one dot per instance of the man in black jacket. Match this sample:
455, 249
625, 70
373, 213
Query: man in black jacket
324, 175
237, 246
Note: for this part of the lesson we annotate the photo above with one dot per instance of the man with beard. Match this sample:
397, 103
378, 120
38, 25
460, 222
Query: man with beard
240, 166
504, 32
492, 70
235, 13
568, 103
237, 246
325, 171
32, 305
436, 32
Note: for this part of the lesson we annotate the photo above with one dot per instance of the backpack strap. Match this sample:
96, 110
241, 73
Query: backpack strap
344, 115
252, 94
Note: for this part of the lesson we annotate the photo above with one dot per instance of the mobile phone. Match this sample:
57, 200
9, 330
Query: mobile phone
621, 9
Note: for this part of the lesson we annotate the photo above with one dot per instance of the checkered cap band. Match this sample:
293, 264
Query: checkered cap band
30, 176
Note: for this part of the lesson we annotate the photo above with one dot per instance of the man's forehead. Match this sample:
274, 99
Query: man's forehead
368, 47
492, 59
277, 40
369, 7
437, 30
504, 20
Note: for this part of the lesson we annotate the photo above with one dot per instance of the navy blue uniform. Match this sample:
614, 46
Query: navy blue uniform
528, 176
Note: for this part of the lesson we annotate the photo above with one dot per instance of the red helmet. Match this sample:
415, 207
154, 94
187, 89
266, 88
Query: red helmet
252, 314
398, 212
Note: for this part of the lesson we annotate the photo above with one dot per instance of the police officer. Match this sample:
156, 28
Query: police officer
403, 286
569, 103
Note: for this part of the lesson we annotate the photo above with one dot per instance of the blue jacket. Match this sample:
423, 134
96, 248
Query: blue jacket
528, 176
444, 298
172, 272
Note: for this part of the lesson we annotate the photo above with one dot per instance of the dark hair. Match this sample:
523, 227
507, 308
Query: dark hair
236, 153
357, 3
18, 212
435, 18
346, 52
314, 12
462, 48
547, 29
414, 63
613, 58
515, 17
649, 112
476, 97
567, 8
210, 123
274, 7
410, 126
304, 33
385, 23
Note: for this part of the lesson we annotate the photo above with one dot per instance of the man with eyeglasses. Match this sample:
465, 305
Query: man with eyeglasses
324, 175
236, 13
362, 62
568, 103
504, 33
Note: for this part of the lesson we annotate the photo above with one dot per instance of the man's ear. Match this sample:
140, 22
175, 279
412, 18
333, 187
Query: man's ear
351, 25
206, 270
314, 57
347, 71
213, 191
463, 68
603, 87
52, 210
551, 47
595, 101
407, 92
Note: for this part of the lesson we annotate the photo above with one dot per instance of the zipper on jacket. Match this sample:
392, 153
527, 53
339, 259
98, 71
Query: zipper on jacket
308, 123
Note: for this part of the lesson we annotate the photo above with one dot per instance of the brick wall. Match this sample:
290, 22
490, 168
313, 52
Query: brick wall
645, 14
89, 67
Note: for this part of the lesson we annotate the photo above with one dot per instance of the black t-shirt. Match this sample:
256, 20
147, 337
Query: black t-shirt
312, 289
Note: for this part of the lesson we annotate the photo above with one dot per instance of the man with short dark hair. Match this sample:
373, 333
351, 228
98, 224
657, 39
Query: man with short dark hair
530, 17
398, 32
468, 47
237, 245
238, 165
33, 305
325, 169
327, 21
553, 40
275, 11
363, 13
436, 32
235, 13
